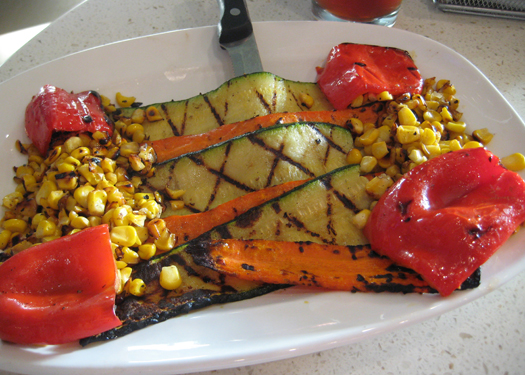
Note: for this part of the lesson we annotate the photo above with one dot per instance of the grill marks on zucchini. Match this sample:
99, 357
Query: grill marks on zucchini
238, 99
267, 157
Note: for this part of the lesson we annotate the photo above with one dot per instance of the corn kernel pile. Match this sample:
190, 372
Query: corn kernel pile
85, 181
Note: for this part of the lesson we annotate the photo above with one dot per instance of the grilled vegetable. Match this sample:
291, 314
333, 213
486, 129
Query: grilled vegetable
356, 69
446, 217
59, 291
173, 147
239, 99
188, 227
54, 110
349, 268
254, 161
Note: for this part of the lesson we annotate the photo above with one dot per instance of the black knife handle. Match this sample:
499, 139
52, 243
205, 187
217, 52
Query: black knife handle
235, 24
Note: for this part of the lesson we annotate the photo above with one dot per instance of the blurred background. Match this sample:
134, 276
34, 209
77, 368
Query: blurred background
21, 20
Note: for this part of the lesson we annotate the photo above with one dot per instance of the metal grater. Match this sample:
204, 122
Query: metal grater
513, 9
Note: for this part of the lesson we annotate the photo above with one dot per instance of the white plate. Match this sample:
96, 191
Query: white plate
283, 324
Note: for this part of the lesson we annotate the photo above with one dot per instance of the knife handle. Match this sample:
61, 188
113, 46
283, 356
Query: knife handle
235, 24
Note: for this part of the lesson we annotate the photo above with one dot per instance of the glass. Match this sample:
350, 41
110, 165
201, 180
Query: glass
379, 12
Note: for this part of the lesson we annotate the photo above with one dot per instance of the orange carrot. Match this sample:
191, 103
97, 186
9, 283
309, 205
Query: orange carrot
188, 227
349, 268
172, 147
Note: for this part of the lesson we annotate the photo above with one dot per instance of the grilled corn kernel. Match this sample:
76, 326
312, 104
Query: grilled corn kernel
472, 144
456, 127
153, 114
482, 135
81, 194
417, 156
514, 162
79, 222
406, 116
174, 194
11, 200
96, 202
142, 234
379, 149
151, 209
54, 198
136, 163
306, 100
354, 156
360, 219
368, 163
356, 125
125, 275
428, 136
146, 251
377, 186
120, 264
408, 134
177, 205
5, 237
53, 155
358, 101
138, 116
384, 96
120, 215
137, 287
166, 241
45, 228
124, 101
170, 278
454, 145
30, 183
432, 115
80, 152
66, 181
445, 115
15, 225
155, 227
72, 143
132, 128
369, 136
124, 235
130, 148
129, 256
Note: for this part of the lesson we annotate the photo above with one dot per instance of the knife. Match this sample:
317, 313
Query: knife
237, 38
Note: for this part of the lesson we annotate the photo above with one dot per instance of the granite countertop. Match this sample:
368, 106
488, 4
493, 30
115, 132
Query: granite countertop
486, 336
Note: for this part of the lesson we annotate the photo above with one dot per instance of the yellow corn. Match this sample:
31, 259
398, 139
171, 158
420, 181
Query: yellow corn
384, 96
177, 205
124, 101
472, 144
306, 100
170, 278
377, 186
125, 275
137, 287
146, 251
358, 101
79, 222
5, 237
406, 116
129, 256
81, 194
96, 202
369, 136
368, 163
153, 114
456, 127
514, 162
407, 134
360, 219
379, 149
54, 198
124, 235
15, 225
166, 241
11, 200
45, 228
174, 194
482, 135
72, 143
354, 156
138, 116
417, 156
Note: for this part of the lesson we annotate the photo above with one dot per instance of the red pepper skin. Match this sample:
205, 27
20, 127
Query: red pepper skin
56, 110
60, 291
448, 216
355, 69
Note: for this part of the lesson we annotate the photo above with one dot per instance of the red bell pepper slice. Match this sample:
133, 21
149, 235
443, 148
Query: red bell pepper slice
59, 291
447, 216
56, 110
355, 69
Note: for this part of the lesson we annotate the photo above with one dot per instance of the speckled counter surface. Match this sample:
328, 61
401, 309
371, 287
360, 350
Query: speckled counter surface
486, 336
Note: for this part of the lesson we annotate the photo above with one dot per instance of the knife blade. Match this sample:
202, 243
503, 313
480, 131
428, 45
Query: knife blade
237, 38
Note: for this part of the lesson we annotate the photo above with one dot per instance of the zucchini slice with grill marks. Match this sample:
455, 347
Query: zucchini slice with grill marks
254, 161
238, 99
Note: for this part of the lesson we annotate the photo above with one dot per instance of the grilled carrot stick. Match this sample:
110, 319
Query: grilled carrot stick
188, 227
172, 147
348, 268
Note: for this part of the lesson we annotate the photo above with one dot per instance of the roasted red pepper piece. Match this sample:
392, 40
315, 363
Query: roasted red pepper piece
446, 217
56, 110
59, 291
355, 69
